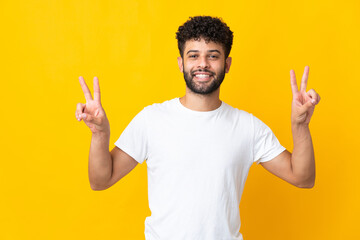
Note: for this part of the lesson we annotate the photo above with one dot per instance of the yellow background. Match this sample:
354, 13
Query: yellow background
131, 47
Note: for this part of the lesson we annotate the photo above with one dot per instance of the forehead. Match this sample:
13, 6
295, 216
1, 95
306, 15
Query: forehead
201, 45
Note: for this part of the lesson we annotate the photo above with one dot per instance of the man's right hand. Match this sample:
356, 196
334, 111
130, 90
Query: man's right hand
92, 112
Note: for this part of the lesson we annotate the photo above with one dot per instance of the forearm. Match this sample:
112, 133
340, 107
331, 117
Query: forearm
100, 161
302, 159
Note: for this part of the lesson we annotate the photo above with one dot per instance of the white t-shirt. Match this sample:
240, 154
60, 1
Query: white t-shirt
197, 165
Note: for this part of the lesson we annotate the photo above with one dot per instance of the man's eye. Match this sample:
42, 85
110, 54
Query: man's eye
192, 56
213, 56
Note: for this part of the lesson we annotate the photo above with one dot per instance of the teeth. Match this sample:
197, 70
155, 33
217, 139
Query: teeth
201, 75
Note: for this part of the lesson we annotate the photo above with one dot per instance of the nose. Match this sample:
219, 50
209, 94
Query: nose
203, 62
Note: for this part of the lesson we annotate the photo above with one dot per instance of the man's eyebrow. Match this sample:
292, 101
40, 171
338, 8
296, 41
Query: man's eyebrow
192, 51
215, 51
208, 51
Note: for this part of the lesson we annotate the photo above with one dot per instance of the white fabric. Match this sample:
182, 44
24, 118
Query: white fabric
197, 165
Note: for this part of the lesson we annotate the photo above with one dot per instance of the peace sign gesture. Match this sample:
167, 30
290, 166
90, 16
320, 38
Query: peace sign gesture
303, 103
92, 112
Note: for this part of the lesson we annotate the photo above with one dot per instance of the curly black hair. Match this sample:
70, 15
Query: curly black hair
206, 27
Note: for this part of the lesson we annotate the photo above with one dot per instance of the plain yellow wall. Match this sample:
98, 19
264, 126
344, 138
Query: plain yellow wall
131, 47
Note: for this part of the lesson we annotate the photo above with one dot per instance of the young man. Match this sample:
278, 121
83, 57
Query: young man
198, 148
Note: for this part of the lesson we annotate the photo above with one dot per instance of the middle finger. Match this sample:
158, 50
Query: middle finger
304, 79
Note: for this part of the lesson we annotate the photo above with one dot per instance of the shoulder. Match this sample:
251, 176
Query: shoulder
236, 112
161, 107
245, 118
164, 104
242, 113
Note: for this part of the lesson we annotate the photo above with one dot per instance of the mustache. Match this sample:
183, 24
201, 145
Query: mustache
202, 70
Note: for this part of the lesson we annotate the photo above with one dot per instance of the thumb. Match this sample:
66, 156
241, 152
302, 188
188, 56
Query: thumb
309, 104
91, 119
87, 117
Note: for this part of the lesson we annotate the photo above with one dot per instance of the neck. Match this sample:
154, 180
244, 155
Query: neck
199, 102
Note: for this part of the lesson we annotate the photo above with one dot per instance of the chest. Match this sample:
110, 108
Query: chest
198, 144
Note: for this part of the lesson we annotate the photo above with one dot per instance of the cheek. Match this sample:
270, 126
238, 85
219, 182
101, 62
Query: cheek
187, 68
218, 68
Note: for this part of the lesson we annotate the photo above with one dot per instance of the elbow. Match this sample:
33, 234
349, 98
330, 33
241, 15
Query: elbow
307, 184
96, 187
305, 180
98, 184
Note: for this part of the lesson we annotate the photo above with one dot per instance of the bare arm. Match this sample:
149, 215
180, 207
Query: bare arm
100, 161
302, 157
105, 168
302, 109
298, 168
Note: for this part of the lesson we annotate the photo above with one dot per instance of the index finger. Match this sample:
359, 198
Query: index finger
85, 89
294, 87
304, 79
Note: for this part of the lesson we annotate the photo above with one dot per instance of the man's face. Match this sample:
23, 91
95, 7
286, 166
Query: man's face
204, 66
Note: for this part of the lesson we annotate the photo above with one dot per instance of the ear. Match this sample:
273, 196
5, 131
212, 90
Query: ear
228, 64
180, 63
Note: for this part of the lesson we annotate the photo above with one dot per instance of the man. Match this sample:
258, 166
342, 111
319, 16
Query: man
198, 149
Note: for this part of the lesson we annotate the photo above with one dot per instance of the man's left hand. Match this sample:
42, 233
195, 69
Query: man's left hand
303, 103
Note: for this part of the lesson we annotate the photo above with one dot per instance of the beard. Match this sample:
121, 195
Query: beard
206, 87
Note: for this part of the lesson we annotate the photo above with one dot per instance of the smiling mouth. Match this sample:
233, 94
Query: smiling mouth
202, 75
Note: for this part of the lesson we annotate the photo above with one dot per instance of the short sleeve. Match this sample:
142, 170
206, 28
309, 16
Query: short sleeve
134, 140
265, 144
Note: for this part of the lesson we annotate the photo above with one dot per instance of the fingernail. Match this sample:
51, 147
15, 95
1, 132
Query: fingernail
83, 115
313, 101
